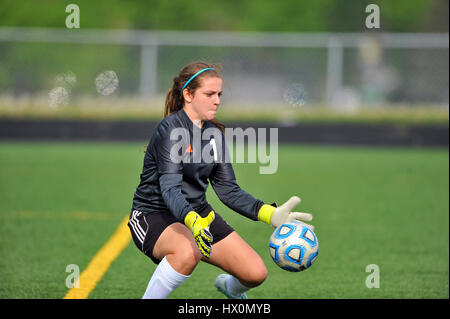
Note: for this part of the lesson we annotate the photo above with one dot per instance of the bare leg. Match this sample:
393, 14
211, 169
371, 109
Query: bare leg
179, 256
235, 256
177, 244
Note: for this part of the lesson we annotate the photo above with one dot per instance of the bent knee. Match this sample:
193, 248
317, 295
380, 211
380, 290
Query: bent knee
188, 254
184, 258
260, 275
255, 276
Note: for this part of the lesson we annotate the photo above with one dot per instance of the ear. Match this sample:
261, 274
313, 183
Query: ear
188, 96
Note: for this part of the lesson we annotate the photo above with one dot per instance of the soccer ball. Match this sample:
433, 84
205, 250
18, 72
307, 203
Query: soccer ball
293, 246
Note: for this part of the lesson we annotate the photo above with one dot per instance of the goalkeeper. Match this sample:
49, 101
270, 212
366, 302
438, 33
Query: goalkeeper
171, 221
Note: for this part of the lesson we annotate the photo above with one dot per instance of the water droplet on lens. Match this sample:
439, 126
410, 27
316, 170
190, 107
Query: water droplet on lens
58, 96
67, 79
107, 82
295, 95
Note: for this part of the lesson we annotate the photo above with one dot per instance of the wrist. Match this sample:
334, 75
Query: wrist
265, 213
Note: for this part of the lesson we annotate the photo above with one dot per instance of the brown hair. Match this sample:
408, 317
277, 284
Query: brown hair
175, 99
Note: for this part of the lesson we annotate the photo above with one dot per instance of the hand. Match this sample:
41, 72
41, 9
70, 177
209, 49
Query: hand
200, 229
276, 216
284, 214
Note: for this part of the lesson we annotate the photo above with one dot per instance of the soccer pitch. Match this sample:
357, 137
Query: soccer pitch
61, 202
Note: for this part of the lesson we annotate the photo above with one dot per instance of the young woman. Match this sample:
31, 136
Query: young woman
171, 221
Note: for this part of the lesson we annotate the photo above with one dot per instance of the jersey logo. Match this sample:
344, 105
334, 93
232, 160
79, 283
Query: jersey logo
189, 149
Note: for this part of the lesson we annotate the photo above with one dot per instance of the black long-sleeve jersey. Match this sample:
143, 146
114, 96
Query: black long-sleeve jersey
179, 161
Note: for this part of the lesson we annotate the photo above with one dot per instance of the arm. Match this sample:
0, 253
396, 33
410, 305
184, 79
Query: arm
223, 181
170, 185
170, 171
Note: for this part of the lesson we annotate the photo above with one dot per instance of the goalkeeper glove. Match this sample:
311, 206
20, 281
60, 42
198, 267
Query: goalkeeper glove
276, 216
200, 229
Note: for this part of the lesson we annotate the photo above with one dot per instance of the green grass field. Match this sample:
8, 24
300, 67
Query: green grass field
59, 203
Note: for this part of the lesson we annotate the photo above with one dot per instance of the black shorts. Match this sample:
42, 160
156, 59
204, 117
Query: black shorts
147, 227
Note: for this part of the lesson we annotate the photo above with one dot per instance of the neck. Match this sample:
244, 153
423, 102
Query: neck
193, 116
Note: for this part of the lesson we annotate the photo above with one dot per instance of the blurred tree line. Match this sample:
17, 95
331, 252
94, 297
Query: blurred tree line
231, 15
28, 68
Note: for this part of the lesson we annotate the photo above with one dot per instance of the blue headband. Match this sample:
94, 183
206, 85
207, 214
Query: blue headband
192, 77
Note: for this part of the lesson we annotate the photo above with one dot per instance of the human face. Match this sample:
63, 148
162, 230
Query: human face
203, 103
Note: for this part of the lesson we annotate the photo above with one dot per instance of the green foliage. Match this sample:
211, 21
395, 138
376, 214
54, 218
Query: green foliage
230, 15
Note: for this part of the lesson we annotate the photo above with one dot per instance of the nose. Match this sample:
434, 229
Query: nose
217, 100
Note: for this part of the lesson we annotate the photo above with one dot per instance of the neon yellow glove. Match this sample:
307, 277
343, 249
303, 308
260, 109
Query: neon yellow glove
276, 216
200, 229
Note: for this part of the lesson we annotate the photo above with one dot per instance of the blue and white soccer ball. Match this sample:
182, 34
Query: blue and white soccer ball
293, 246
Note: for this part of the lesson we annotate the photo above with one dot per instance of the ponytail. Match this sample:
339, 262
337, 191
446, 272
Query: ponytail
174, 102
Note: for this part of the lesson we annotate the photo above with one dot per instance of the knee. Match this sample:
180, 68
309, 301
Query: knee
256, 276
190, 255
186, 258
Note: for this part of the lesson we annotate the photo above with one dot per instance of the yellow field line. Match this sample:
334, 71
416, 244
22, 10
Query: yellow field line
101, 262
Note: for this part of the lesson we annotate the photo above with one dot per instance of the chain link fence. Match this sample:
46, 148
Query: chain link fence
341, 71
